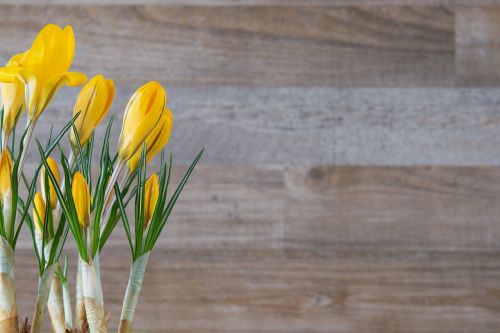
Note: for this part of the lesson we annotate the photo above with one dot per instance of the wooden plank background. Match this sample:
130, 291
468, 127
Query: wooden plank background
351, 179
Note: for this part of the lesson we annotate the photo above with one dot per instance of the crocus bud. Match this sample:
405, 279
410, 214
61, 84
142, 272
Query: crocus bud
12, 96
151, 192
143, 113
39, 209
5, 173
55, 171
93, 103
81, 197
12, 104
155, 141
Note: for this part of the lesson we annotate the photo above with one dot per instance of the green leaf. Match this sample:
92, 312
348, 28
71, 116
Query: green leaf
67, 203
161, 223
126, 224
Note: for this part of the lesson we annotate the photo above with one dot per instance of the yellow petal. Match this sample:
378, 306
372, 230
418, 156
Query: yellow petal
142, 114
151, 192
55, 171
81, 197
18, 59
42, 97
155, 141
44, 67
9, 74
12, 95
52, 51
39, 210
5, 173
92, 104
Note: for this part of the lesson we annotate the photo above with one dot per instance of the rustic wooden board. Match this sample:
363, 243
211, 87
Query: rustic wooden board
418, 208
423, 208
477, 46
269, 236
263, 290
342, 3
308, 126
323, 249
388, 46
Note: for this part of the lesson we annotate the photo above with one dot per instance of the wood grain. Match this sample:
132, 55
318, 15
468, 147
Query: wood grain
389, 46
323, 249
264, 290
442, 208
477, 46
418, 208
295, 126
302, 3
350, 182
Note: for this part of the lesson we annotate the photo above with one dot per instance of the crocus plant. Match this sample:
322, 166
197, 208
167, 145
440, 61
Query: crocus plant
61, 194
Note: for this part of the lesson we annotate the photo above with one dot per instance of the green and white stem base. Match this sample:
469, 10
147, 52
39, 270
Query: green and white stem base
81, 316
8, 306
56, 305
68, 313
97, 316
44, 284
134, 286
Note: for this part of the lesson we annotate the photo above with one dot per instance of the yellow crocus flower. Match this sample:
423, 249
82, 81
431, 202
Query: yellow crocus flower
55, 171
81, 197
5, 173
143, 113
12, 96
44, 67
151, 192
155, 141
39, 210
93, 103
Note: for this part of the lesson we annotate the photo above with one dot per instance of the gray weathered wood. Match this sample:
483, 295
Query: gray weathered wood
264, 290
388, 46
307, 126
416, 208
477, 47
443, 208
342, 3
321, 249
268, 235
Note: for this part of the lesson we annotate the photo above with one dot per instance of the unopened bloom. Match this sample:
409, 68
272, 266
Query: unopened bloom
93, 103
143, 114
39, 210
155, 141
12, 96
44, 68
151, 192
55, 171
5, 173
81, 196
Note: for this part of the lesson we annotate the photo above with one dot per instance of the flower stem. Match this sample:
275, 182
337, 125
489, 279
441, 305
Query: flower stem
26, 142
68, 313
107, 207
112, 181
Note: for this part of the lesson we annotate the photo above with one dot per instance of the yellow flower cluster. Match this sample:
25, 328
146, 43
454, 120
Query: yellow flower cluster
66, 198
29, 81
